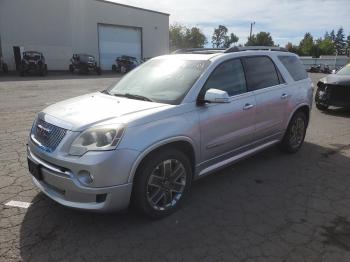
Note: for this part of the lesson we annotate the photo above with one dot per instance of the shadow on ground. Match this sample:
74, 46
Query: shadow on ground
269, 205
337, 111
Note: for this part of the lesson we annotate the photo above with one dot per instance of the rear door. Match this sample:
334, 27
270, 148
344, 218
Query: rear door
271, 96
227, 126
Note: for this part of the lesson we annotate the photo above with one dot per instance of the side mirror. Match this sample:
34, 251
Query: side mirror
216, 96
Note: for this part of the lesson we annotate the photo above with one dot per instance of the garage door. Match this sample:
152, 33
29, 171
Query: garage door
116, 41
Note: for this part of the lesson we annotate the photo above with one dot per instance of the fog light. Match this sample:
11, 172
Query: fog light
85, 177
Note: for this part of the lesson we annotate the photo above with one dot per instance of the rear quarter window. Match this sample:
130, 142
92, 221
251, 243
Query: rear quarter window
294, 67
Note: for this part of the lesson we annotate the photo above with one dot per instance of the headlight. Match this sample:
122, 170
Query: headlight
98, 138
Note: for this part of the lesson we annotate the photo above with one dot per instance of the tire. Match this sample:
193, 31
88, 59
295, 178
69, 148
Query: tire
5, 68
155, 196
21, 71
295, 134
321, 107
41, 71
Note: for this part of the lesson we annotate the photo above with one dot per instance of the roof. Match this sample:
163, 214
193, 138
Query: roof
134, 7
187, 56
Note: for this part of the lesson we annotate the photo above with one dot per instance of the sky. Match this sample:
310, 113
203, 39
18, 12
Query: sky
286, 20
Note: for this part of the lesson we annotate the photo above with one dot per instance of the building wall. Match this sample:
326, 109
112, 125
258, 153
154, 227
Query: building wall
61, 28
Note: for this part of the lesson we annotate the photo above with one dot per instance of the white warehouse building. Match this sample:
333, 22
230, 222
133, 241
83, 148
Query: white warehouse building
60, 28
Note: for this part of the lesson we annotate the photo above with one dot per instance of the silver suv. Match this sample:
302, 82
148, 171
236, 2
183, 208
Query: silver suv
172, 120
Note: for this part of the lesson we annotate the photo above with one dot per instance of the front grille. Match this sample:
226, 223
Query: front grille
46, 135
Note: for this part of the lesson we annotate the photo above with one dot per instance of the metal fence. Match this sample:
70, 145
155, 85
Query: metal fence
332, 61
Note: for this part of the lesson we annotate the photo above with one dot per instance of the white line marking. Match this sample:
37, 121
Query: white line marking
20, 204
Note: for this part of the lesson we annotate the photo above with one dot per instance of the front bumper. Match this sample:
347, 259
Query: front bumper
63, 186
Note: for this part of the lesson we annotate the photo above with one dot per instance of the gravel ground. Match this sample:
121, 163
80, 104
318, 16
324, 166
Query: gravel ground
269, 207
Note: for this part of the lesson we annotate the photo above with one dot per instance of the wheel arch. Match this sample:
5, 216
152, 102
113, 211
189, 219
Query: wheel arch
305, 108
182, 143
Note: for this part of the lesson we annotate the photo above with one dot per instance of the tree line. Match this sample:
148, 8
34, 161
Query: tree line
332, 43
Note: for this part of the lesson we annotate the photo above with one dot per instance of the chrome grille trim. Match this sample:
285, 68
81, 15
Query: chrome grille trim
46, 135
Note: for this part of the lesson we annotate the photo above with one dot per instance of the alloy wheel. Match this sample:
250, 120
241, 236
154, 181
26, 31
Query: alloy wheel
297, 132
166, 184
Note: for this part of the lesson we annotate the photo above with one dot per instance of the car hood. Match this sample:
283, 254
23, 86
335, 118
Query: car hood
334, 79
81, 112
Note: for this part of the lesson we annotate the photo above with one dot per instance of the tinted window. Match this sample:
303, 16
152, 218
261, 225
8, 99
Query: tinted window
260, 72
229, 77
294, 67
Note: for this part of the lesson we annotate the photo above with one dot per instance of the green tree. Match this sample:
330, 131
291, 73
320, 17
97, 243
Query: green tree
339, 42
332, 35
306, 45
260, 39
183, 37
219, 36
348, 45
326, 46
229, 40
195, 38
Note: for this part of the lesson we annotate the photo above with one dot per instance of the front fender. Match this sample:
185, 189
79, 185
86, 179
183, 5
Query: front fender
156, 145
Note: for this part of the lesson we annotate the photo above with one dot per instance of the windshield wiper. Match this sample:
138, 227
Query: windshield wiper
132, 96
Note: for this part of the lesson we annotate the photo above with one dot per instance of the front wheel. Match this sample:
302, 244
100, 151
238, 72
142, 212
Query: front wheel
162, 183
295, 133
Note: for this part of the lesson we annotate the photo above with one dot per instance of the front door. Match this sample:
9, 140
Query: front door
226, 127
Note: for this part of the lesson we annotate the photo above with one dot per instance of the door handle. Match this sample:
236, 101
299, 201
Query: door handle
284, 96
248, 106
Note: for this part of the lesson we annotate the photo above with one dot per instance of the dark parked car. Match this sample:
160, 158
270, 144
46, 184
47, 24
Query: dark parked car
124, 64
320, 69
33, 62
84, 63
334, 90
3, 66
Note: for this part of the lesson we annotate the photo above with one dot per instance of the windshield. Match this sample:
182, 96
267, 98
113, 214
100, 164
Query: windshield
345, 70
161, 80
32, 55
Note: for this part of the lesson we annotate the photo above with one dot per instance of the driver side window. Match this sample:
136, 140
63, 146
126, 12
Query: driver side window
229, 77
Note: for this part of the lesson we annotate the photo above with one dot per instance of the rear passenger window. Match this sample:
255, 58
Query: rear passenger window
260, 72
294, 67
229, 77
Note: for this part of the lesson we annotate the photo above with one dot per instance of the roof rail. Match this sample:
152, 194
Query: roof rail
247, 48
199, 51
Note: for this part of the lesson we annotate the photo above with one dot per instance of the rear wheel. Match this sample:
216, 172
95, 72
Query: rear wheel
162, 183
295, 134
